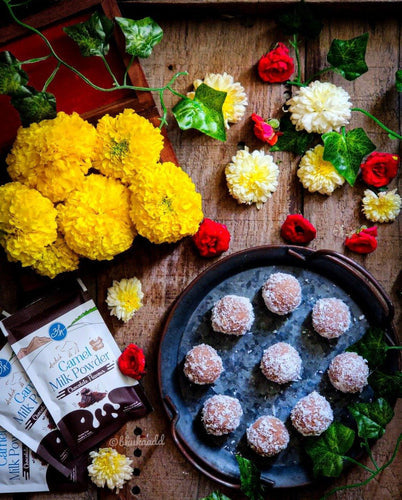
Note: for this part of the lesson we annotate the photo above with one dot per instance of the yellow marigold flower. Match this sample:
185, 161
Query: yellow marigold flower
124, 298
125, 144
27, 222
317, 174
109, 468
382, 208
252, 177
165, 206
53, 156
55, 259
95, 220
235, 103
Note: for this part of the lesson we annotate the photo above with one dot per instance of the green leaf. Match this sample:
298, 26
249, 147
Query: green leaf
291, 140
371, 347
250, 479
12, 77
348, 56
34, 107
398, 80
385, 385
93, 35
141, 36
371, 418
328, 450
346, 152
216, 495
299, 20
204, 112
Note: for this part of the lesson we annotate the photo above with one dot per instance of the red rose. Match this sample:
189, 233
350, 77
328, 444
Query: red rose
264, 131
379, 169
276, 66
297, 229
212, 238
363, 241
132, 362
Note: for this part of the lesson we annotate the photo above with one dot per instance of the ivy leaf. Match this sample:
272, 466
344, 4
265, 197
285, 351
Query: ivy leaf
216, 495
291, 140
204, 112
93, 35
141, 36
299, 20
386, 385
346, 152
328, 450
398, 80
348, 56
371, 418
12, 77
250, 479
35, 106
371, 347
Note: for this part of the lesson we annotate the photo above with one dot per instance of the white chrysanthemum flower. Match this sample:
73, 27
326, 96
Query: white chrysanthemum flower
317, 174
320, 107
124, 298
382, 208
235, 103
252, 177
109, 468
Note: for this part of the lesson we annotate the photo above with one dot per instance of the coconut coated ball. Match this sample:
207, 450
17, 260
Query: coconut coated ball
348, 372
202, 365
312, 415
281, 293
281, 363
331, 317
267, 436
221, 414
232, 315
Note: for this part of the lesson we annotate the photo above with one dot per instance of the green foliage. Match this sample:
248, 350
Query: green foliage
250, 479
93, 35
327, 451
141, 36
348, 56
371, 418
35, 106
203, 113
291, 140
12, 77
346, 151
299, 20
216, 495
371, 347
398, 80
389, 386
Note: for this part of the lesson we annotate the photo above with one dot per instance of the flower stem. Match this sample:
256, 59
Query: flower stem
377, 121
36, 59
390, 347
50, 79
353, 461
127, 70
295, 44
368, 449
325, 70
109, 70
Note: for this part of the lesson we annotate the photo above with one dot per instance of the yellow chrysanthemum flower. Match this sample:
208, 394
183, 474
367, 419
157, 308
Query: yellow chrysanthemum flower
53, 156
252, 177
317, 174
124, 298
382, 208
165, 206
95, 220
235, 103
109, 468
27, 222
125, 144
55, 259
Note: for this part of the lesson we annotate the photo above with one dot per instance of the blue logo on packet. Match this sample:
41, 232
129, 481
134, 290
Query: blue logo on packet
5, 367
57, 331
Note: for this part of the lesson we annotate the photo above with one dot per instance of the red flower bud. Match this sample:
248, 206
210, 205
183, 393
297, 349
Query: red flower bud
362, 241
297, 229
379, 169
132, 362
276, 66
264, 131
212, 238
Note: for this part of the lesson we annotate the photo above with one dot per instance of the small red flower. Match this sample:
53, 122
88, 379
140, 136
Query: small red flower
379, 169
264, 131
363, 241
297, 229
212, 238
276, 66
132, 362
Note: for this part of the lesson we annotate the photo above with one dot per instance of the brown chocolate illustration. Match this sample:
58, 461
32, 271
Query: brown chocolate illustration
89, 397
96, 344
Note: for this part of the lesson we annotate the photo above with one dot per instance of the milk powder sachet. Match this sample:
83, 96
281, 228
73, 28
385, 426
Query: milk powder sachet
70, 356
23, 414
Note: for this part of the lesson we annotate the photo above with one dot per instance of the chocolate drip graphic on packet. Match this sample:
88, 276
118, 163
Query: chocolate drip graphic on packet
76, 371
